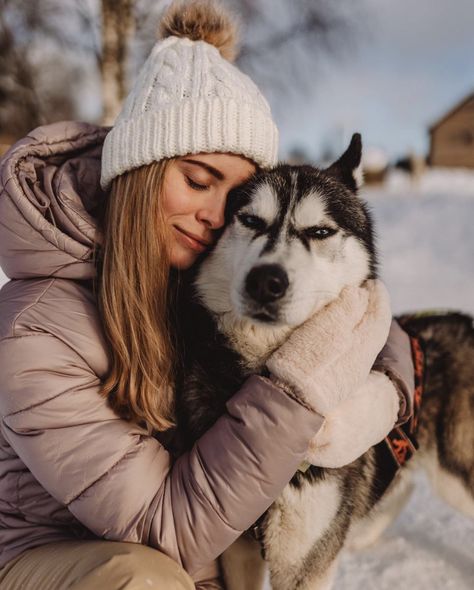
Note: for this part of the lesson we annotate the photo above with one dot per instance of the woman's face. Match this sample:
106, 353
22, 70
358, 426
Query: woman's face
194, 195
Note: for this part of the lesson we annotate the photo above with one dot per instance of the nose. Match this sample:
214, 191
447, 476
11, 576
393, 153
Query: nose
212, 212
266, 283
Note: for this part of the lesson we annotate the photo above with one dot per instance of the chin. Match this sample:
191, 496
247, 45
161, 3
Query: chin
182, 260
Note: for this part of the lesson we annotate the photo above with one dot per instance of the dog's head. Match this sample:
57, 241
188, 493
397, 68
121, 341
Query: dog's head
295, 236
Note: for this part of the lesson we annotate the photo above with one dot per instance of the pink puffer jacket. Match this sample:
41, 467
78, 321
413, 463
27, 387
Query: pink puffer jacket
69, 467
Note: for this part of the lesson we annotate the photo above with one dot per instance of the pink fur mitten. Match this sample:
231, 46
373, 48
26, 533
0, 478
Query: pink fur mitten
329, 356
358, 423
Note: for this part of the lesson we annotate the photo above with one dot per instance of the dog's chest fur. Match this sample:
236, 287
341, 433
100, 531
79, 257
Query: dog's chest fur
216, 357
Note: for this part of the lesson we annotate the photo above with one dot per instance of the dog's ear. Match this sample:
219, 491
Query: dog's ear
348, 169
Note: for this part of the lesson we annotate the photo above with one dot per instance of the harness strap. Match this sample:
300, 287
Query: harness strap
401, 441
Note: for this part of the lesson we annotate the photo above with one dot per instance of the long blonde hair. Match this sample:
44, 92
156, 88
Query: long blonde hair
133, 299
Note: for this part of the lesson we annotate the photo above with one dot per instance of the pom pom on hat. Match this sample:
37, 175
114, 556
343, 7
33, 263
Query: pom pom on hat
202, 20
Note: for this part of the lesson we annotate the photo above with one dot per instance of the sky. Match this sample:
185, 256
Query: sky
412, 62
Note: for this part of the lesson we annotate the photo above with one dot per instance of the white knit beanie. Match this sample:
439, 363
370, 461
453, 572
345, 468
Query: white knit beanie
189, 99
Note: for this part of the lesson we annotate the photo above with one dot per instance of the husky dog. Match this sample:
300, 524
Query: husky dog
293, 238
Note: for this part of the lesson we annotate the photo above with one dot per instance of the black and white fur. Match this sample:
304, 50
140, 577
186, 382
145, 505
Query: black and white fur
294, 237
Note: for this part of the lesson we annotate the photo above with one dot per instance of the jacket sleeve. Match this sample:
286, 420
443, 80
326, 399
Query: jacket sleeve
395, 360
120, 482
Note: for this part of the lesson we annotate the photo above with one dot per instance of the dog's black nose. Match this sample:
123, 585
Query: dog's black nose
266, 283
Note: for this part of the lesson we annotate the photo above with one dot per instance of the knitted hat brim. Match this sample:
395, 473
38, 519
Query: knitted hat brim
190, 126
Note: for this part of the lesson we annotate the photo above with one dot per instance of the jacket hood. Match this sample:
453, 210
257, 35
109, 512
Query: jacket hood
49, 189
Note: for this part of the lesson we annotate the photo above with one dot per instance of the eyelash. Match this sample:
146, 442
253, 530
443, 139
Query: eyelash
195, 185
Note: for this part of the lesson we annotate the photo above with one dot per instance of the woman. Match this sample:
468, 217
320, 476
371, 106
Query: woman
89, 495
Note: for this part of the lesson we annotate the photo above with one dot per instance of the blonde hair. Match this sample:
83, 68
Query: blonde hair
133, 299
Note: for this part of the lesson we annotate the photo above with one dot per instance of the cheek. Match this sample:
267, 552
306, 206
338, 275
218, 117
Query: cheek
176, 198
175, 204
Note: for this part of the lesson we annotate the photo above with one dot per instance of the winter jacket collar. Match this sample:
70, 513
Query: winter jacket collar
49, 190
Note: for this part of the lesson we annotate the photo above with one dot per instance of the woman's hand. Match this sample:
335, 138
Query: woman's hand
355, 425
326, 360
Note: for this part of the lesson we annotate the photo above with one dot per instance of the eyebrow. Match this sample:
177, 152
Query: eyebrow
217, 173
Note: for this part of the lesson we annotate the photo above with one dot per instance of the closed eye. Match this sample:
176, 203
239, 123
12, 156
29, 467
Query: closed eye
195, 185
319, 232
252, 222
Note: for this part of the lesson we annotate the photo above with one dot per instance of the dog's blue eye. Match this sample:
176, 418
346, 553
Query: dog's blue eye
252, 222
319, 233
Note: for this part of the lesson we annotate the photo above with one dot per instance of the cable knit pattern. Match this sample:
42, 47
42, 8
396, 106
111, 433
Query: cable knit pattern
188, 99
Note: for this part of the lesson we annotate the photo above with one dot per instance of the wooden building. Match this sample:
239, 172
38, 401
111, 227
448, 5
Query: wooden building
452, 137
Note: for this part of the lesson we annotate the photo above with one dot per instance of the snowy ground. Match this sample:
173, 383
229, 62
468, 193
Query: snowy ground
429, 547
426, 241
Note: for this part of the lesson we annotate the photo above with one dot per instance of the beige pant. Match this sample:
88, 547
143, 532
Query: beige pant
98, 565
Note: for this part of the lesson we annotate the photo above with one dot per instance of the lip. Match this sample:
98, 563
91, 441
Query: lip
190, 240
267, 314
266, 318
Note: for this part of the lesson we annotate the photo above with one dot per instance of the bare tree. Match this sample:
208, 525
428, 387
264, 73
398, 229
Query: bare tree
38, 83
282, 44
286, 40
283, 41
117, 31
19, 105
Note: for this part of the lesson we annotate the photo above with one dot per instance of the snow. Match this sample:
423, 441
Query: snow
374, 159
429, 547
426, 244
